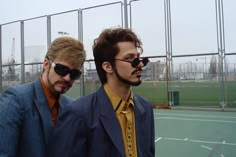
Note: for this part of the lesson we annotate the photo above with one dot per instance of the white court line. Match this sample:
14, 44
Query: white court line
206, 147
203, 120
186, 115
197, 141
158, 139
221, 155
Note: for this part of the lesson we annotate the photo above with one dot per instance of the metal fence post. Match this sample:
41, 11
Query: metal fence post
22, 51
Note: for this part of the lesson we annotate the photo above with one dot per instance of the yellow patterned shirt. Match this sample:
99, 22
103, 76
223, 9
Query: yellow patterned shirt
124, 111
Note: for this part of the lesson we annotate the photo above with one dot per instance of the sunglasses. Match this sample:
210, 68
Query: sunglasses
134, 63
63, 70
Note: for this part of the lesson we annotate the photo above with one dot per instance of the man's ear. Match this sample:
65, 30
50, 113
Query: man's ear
46, 64
107, 67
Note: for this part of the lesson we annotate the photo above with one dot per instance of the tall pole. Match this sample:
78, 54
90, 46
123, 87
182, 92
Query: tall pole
221, 49
80, 37
126, 13
130, 13
168, 41
49, 31
22, 36
0, 58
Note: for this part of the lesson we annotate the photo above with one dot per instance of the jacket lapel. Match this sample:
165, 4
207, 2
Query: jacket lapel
139, 121
43, 108
110, 122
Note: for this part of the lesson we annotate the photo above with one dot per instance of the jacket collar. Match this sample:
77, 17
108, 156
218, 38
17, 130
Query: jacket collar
41, 102
110, 122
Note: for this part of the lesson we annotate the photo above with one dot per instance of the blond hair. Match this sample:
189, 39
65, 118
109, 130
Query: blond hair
68, 49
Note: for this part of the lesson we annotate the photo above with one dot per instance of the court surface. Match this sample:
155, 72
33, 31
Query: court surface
189, 133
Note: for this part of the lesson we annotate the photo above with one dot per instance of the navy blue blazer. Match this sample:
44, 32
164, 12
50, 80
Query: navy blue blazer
25, 120
89, 128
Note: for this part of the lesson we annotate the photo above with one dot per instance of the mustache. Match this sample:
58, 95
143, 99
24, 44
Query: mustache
137, 70
64, 82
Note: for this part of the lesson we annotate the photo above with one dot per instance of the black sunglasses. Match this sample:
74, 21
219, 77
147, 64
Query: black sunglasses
63, 70
136, 61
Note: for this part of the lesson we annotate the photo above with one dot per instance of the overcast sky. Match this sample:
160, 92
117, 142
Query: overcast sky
11, 10
193, 23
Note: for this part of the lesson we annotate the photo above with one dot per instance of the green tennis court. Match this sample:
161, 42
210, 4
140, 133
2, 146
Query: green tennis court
191, 93
190, 133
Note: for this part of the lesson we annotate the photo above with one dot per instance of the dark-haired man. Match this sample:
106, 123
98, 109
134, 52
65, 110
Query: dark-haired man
112, 122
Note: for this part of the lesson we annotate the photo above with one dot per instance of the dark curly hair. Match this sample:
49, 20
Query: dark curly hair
105, 47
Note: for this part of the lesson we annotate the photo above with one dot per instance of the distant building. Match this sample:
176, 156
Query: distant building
91, 75
154, 71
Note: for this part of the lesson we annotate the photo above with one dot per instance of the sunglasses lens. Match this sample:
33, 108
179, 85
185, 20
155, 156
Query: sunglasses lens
135, 62
75, 74
145, 61
61, 69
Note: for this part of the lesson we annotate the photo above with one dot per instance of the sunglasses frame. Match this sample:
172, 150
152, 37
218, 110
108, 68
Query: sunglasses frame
135, 62
63, 70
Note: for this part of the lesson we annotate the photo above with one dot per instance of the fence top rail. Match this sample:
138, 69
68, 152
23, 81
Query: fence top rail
102, 5
10, 22
233, 53
16, 21
64, 12
193, 55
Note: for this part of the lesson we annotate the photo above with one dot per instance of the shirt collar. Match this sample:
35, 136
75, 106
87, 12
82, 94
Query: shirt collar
50, 98
115, 99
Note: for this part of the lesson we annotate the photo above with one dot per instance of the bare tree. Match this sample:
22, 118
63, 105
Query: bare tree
213, 67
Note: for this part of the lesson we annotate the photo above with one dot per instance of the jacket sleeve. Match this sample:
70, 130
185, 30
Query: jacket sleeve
152, 148
69, 138
10, 122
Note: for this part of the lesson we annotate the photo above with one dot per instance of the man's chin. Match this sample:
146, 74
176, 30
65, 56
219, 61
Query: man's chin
64, 90
135, 83
61, 90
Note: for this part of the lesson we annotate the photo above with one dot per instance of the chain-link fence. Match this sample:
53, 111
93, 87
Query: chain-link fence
184, 70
